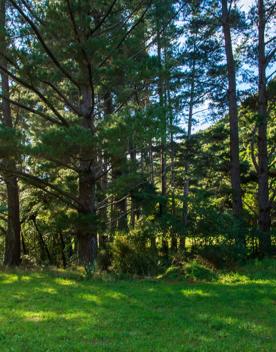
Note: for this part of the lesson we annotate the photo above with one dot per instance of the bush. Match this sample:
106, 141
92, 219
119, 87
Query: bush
221, 256
104, 259
89, 270
194, 270
132, 256
260, 269
28, 261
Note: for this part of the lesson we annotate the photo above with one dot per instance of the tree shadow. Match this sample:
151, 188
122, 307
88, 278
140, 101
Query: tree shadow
135, 315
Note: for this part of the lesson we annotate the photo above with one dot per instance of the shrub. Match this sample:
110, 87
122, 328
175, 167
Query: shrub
194, 270
28, 261
260, 269
90, 269
104, 259
131, 256
221, 255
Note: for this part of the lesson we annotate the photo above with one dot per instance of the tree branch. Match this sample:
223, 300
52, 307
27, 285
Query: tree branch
108, 12
41, 114
42, 184
37, 92
42, 42
126, 35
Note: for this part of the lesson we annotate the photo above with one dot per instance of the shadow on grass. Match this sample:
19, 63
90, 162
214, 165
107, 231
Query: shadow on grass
69, 314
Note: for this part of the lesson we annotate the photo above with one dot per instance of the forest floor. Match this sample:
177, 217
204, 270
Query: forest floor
57, 311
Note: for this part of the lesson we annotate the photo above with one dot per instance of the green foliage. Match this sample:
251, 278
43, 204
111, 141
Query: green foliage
104, 258
259, 269
194, 270
131, 255
221, 255
3, 208
104, 104
10, 142
89, 270
64, 143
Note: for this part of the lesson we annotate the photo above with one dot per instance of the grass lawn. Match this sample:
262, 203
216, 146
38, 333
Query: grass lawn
57, 312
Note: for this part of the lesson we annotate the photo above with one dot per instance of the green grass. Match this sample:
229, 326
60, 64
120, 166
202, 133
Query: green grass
58, 312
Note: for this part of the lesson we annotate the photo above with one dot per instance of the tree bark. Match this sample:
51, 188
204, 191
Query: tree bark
43, 246
163, 203
62, 249
186, 163
103, 239
233, 116
12, 239
132, 154
87, 230
172, 159
263, 189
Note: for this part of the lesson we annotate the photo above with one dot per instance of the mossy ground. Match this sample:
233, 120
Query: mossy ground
57, 311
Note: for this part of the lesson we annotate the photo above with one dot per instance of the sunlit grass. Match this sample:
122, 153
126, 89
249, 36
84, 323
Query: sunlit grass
57, 311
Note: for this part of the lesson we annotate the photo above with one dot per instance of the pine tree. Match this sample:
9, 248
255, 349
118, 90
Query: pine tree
12, 241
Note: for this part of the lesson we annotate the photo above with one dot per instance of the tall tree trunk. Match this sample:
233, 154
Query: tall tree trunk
151, 160
263, 190
87, 230
24, 248
233, 116
132, 153
103, 237
62, 250
122, 220
172, 157
163, 203
12, 240
186, 163
103, 240
120, 207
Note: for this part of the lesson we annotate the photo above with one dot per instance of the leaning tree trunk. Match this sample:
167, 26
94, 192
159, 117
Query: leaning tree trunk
12, 240
86, 227
263, 189
233, 116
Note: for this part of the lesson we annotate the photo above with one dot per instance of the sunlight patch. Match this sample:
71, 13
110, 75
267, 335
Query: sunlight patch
8, 279
90, 298
65, 282
234, 277
189, 292
37, 316
34, 318
50, 290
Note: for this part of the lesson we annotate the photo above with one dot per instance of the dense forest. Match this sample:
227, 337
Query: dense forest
134, 134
